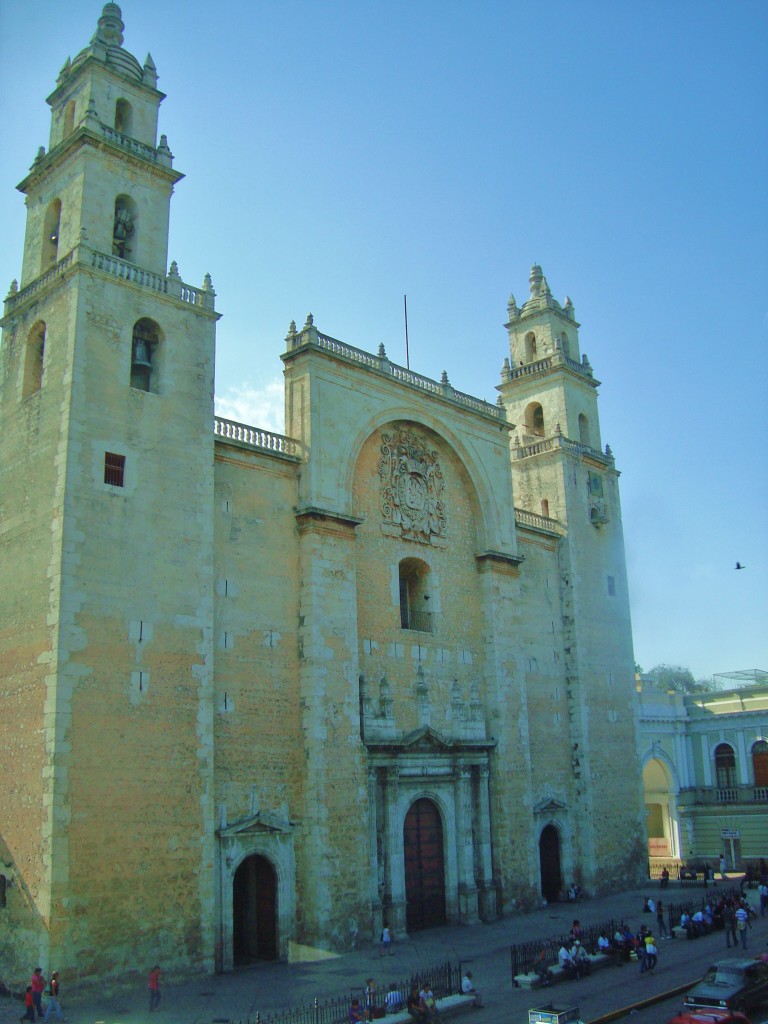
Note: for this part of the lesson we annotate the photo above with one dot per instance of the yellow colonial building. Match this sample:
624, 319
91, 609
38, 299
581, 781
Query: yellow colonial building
265, 692
705, 772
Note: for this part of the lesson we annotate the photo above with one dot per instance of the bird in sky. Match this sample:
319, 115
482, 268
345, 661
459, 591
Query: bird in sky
740, 566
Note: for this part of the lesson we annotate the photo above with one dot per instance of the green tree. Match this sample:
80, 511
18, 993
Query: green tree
680, 679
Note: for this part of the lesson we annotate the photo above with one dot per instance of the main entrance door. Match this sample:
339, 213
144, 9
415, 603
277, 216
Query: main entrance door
549, 862
254, 911
424, 867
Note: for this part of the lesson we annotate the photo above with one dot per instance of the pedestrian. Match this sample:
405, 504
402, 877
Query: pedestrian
722, 866
729, 924
37, 983
664, 878
651, 953
53, 1002
763, 896
154, 988
370, 998
742, 918
386, 941
660, 922
29, 1006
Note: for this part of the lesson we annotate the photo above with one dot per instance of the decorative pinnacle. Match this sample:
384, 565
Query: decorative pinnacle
310, 320
110, 30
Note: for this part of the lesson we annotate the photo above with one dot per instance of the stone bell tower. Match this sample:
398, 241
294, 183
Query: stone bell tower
560, 472
106, 455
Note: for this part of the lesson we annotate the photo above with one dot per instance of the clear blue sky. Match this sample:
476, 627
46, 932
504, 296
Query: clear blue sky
341, 154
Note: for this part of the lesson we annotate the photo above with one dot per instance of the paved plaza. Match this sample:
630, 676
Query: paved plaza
266, 987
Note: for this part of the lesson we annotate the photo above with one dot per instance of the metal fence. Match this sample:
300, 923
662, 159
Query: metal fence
523, 954
443, 979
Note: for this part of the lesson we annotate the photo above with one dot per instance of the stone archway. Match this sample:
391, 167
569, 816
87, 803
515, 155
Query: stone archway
549, 864
254, 911
424, 866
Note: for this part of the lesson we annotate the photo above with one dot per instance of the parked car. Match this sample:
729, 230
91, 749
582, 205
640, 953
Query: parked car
732, 985
709, 1016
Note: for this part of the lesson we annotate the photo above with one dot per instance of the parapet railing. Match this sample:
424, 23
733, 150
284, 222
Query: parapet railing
83, 255
310, 336
525, 518
253, 437
549, 444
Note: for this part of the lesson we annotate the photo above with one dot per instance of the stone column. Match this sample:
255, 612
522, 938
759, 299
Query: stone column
465, 861
395, 860
483, 850
333, 869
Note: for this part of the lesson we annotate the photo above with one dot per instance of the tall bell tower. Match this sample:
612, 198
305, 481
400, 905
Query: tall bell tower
106, 546
561, 473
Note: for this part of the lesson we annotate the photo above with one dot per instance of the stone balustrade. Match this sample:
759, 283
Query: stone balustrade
131, 145
549, 444
525, 518
83, 255
253, 437
739, 794
402, 374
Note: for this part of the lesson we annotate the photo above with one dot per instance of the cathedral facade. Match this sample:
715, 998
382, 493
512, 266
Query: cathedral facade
263, 693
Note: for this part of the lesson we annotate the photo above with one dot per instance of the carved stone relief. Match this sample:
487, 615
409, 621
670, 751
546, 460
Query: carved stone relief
412, 487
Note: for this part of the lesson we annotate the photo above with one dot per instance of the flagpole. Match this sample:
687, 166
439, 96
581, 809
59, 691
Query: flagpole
405, 311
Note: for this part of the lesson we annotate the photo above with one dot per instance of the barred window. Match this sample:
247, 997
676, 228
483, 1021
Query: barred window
114, 469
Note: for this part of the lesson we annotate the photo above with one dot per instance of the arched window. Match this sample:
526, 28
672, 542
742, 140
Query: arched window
534, 419
725, 766
415, 612
545, 507
584, 429
124, 230
565, 345
124, 117
34, 354
69, 118
3, 891
760, 762
145, 342
530, 347
51, 226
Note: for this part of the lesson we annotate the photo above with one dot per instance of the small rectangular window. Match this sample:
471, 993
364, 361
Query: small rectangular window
114, 469
611, 587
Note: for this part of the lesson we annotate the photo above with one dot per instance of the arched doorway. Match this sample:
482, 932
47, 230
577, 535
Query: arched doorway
549, 863
424, 867
254, 911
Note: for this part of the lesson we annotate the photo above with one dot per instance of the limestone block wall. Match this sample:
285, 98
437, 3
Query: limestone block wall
137, 595
452, 606
257, 707
31, 500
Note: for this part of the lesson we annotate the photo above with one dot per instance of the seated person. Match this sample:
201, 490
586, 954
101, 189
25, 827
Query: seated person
698, 923
356, 1014
541, 969
468, 988
581, 958
393, 999
565, 960
416, 1007
604, 944
429, 1001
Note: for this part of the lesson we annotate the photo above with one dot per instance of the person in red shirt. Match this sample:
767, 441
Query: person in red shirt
29, 1006
37, 983
154, 988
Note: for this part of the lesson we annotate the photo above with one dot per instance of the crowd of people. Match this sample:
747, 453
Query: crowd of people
33, 998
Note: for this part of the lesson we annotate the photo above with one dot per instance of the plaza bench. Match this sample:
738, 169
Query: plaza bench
532, 980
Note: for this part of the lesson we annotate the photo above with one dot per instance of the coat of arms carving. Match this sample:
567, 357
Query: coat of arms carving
412, 487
